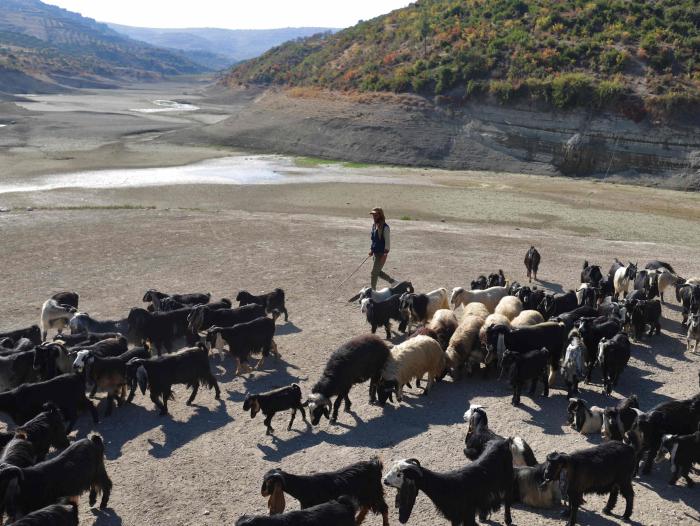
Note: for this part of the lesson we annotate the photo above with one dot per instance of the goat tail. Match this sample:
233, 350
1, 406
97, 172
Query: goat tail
96, 439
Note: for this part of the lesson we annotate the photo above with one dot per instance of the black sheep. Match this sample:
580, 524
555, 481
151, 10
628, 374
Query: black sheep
497, 279
273, 302
340, 512
160, 328
77, 469
479, 283
360, 359
591, 274
380, 313
606, 468
521, 368
362, 481
189, 367
274, 401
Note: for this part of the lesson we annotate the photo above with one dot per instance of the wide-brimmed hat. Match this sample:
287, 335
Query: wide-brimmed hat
376, 210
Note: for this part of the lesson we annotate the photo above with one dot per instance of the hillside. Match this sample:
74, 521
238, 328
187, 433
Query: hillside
634, 56
218, 48
43, 47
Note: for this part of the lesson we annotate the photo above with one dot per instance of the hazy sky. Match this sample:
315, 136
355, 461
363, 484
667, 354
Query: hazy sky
232, 14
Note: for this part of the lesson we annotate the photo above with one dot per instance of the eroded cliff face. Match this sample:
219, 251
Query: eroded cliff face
408, 130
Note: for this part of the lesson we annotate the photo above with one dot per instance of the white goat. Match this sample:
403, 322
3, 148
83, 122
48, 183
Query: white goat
54, 316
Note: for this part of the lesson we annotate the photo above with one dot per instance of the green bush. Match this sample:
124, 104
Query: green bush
572, 89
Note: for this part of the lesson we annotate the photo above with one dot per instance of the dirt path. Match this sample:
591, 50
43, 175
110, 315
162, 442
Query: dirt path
203, 465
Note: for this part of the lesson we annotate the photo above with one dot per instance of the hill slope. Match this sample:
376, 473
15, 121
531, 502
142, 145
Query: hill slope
566, 54
54, 46
218, 48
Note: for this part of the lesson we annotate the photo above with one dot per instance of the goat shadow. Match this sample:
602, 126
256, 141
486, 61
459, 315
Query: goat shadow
263, 380
225, 368
106, 517
394, 425
550, 285
657, 481
287, 328
587, 515
132, 420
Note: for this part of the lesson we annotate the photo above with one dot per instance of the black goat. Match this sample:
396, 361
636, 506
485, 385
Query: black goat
160, 328
274, 401
480, 283
189, 367
675, 417
77, 469
555, 304
32, 333
618, 420
524, 367
532, 263
83, 339
108, 373
359, 360
67, 392
550, 335
591, 274
479, 434
530, 298
243, 339
613, 355
18, 368
685, 451
380, 313
45, 430
497, 279
656, 264
272, 302
592, 331
82, 322
362, 481
53, 515
607, 468
340, 512
18, 452
202, 318
197, 298
688, 295
642, 313
480, 487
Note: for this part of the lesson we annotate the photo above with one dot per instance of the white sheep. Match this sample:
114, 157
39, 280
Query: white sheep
444, 323
54, 316
411, 360
527, 318
475, 309
509, 306
464, 345
489, 297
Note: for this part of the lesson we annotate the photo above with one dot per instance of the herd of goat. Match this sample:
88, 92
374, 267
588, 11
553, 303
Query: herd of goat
493, 327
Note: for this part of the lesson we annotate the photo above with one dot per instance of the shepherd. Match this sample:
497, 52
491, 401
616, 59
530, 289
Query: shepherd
380, 236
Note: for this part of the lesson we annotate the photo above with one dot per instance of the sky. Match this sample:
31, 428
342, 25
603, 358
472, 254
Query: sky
231, 14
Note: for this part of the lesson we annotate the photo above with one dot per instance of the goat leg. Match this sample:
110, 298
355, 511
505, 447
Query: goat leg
194, 393
612, 500
291, 420
336, 408
268, 424
361, 516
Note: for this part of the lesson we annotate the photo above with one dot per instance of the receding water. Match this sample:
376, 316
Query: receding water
236, 170
167, 106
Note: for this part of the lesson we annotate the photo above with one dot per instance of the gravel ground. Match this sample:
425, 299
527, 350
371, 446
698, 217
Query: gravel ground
203, 464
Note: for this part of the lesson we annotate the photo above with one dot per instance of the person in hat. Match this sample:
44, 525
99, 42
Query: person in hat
380, 246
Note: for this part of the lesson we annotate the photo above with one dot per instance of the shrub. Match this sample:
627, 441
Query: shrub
572, 89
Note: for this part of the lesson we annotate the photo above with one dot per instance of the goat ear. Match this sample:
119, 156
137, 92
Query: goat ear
406, 498
142, 378
276, 503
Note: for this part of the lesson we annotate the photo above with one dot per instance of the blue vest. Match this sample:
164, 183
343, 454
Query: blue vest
377, 242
